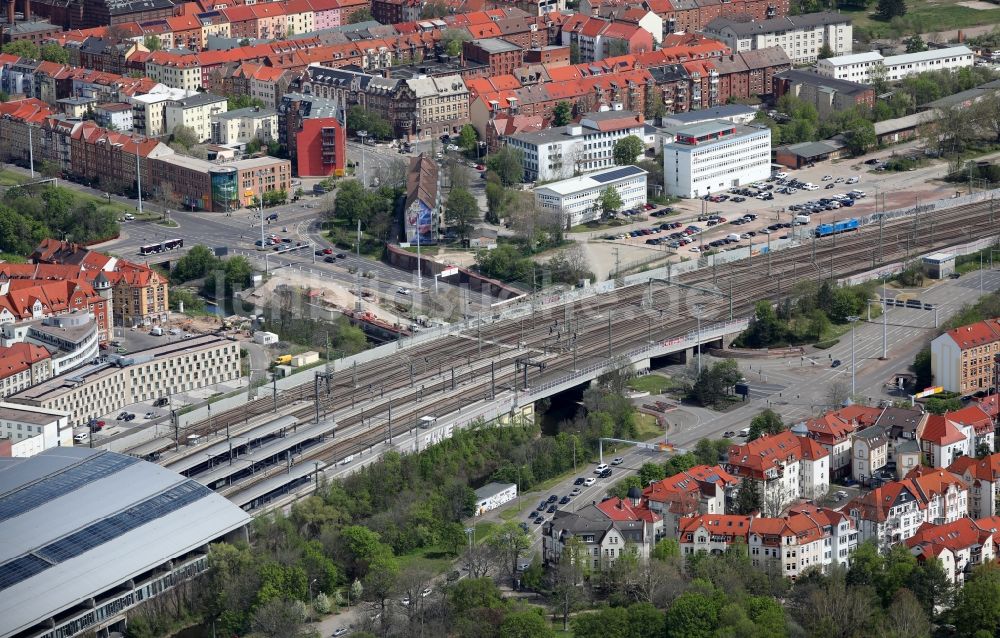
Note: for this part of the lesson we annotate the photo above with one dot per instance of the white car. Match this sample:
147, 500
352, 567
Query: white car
81, 437
340, 631
403, 291
600, 468
694, 249
129, 217
853, 180
590, 481
426, 592
617, 460
827, 178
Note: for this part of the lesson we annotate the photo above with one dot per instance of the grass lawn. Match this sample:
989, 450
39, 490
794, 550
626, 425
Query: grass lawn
10, 178
592, 226
923, 16
647, 427
432, 559
424, 250
652, 383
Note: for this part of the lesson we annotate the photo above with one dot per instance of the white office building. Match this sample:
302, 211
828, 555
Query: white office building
802, 37
32, 430
715, 156
564, 151
860, 67
580, 197
493, 495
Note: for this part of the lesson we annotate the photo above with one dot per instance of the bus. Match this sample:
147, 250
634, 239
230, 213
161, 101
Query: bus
152, 249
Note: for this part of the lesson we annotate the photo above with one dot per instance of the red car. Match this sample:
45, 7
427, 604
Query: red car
327, 251
480, 167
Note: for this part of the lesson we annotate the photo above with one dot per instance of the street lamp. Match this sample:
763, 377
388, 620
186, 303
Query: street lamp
853, 319
363, 135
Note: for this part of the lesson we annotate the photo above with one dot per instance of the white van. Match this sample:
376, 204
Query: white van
81, 437
745, 432
809, 186
733, 237
802, 220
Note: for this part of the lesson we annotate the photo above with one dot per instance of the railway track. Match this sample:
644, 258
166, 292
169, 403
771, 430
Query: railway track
572, 334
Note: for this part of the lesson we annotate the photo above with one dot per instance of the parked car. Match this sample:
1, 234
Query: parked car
579, 481
835, 363
564, 500
600, 468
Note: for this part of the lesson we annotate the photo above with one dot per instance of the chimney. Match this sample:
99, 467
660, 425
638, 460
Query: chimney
27, 10
10, 11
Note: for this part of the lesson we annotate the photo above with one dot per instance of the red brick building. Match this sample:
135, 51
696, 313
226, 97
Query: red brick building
556, 55
321, 147
501, 56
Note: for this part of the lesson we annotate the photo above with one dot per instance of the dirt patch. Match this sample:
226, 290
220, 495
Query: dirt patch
978, 5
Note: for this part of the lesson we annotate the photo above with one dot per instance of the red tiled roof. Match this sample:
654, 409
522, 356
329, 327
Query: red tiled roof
941, 431
972, 415
757, 457
955, 536
621, 510
984, 469
976, 334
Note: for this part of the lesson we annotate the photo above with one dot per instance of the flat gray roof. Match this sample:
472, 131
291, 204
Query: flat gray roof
714, 113
7, 411
250, 111
496, 45
492, 489
79, 522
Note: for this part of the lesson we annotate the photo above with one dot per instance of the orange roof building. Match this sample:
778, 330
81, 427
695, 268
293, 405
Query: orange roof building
963, 359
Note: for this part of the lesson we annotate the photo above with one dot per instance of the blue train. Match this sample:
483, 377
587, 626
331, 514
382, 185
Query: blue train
844, 225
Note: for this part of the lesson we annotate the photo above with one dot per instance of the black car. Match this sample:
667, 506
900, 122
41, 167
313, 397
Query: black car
578, 481
318, 253
835, 363
329, 259
552, 509
871, 162
564, 500
340, 256
541, 506
553, 498
605, 474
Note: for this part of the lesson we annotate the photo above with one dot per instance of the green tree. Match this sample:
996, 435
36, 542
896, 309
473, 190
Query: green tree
474, 593
610, 202
468, 138
693, 615
621, 488
861, 137
452, 39
866, 565
655, 107
650, 472
525, 624
52, 52
825, 52
915, 44
922, 369
666, 549
461, 211
977, 605
930, 584
936, 405
766, 423
765, 328
627, 150
236, 102
360, 15
434, 9
889, 9
509, 541
152, 42
508, 164
497, 199
747, 498
197, 263
22, 48
562, 113
280, 618
185, 136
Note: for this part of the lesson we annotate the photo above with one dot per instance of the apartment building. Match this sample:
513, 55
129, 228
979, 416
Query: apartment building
565, 151
596, 39
605, 531
964, 360
983, 478
714, 157
870, 452
863, 67
442, 106
33, 299
701, 490
501, 56
806, 538
828, 95
243, 125
951, 435
114, 115
960, 545
176, 71
32, 430
578, 199
195, 112
137, 293
893, 512
149, 111
802, 37
99, 389
23, 365
423, 206
785, 468
834, 431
